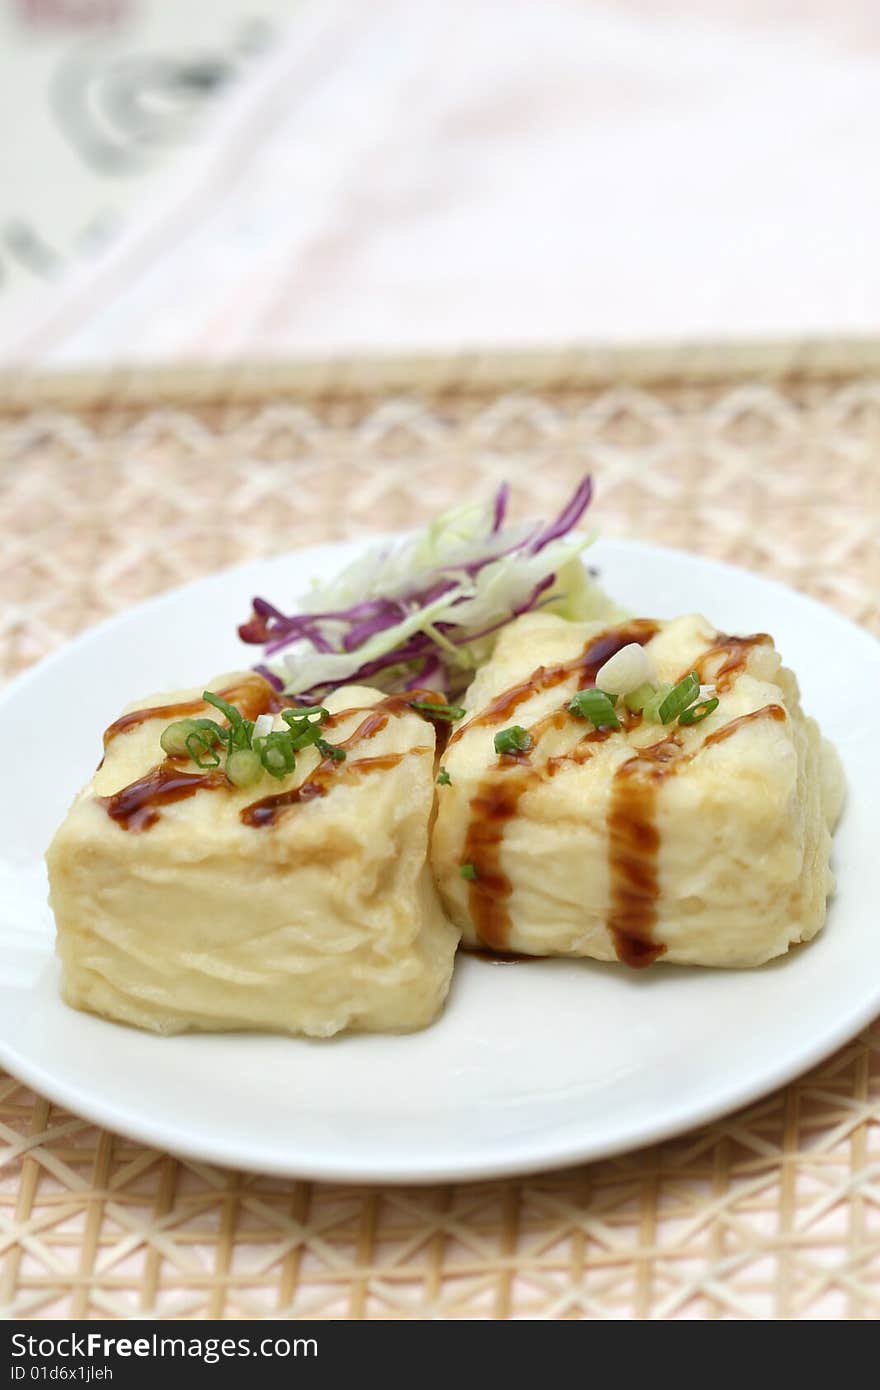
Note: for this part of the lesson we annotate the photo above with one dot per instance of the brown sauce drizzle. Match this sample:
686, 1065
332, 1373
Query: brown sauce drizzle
767, 711
634, 842
267, 811
135, 807
497, 798
393, 705
495, 803
585, 666
581, 753
633, 849
500, 957
252, 695
734, 652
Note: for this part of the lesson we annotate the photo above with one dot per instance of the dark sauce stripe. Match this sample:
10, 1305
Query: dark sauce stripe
502, 708
633, 852
733, 653
252, 695
136, 807
327, 774
496, 801
775, 712
634, 841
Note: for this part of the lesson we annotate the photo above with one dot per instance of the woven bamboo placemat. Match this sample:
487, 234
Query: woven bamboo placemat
112, 489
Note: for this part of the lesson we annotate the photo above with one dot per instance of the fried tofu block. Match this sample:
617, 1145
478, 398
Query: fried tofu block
304, 905
706, 844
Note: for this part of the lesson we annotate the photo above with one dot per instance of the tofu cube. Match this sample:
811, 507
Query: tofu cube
704, 844
304, 905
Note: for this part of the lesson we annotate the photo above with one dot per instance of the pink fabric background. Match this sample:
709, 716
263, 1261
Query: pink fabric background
405, 176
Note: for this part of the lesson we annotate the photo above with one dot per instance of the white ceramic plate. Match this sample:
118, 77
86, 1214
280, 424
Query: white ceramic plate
530, 1066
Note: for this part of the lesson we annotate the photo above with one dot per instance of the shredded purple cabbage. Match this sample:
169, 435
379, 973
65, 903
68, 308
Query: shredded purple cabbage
567, 518
419, 660
501, 500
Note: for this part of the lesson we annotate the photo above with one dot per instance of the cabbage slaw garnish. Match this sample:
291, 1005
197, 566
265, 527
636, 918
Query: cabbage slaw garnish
425, 611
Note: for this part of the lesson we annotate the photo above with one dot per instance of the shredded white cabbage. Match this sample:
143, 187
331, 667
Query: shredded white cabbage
476, 604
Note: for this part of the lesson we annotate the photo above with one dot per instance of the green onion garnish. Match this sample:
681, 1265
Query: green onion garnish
467, 871
697, 713
200, 747
247, 757
678, 699
241, 735
651, 708
330, 750
306, 712
232, 714
443, 778
304, 725
434, 711
243, 767
303, 735
516, 739
637, 699
276, 754
596, 706
173, 739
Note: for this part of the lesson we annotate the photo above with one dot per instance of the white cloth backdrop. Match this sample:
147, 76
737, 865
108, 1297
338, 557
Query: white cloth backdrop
402, 175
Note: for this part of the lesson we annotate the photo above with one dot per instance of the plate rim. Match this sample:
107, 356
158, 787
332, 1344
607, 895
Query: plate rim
475, 1169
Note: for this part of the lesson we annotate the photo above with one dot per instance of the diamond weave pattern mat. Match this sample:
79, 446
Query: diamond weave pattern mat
106, 499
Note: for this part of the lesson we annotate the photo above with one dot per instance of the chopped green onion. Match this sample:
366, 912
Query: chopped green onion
443, 778
201, 749
243, 767
516, 739
239, 735
173, 739
304, 735
636, 700
274, 762
249, 754
232, 714
330, 750
211, 728
697, 713
467, 871
307, 712
596, 706
651, 708
434, 711
678, 699
276, 754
